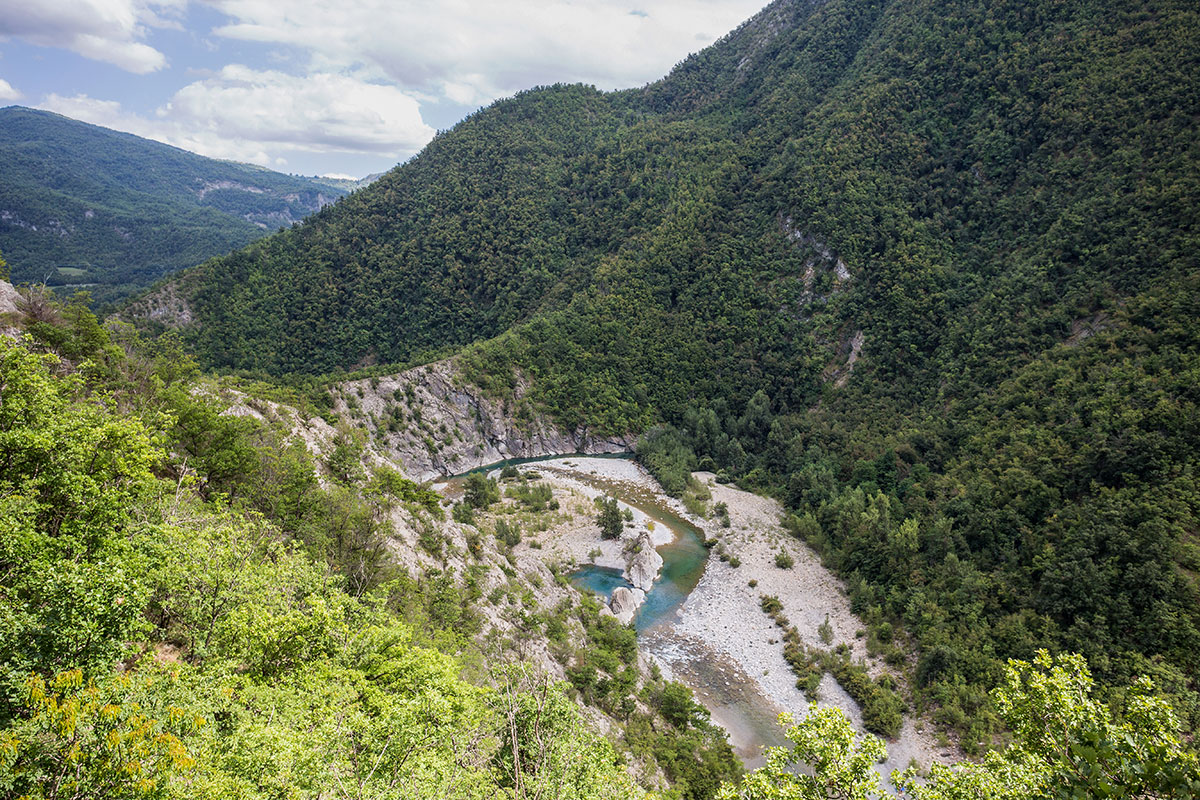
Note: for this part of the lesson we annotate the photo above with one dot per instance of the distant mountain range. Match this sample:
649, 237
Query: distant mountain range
85, 205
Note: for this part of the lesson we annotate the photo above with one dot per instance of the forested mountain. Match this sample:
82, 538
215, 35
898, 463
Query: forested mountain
116, 210
205, 593
925, 270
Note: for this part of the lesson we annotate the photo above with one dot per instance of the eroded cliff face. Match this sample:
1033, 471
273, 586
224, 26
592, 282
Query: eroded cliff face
435, 423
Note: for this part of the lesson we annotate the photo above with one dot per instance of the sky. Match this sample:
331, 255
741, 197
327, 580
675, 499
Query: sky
329, 87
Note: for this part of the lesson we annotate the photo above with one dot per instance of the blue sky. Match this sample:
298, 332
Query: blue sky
321, 87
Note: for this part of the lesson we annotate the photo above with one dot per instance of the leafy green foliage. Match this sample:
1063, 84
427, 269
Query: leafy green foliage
509, 533
546, 748
662, 451
842, 763
71, 473
1066, 744
605, 673
122, 739
479, 491
609, 518
533, 497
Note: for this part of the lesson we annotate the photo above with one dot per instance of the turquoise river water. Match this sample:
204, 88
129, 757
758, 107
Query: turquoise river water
728, 694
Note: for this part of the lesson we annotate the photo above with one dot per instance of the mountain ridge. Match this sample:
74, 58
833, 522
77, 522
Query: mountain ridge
120, 211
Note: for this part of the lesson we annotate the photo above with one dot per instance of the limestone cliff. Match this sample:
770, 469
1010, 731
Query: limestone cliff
435, 423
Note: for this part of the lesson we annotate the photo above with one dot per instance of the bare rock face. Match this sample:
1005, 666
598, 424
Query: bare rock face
10, 310
8, 298
644, 566
625, 603
167, 305
842, 374
436, 424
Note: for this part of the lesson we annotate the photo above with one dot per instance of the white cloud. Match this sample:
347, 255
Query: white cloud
372, 64
7, 92
471, 52
103, 30
98, 112
262, 116
324, 111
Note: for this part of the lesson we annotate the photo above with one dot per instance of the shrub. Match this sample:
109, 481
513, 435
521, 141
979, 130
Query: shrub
463, 514
609, 519
510, 535
479, 491
825, 631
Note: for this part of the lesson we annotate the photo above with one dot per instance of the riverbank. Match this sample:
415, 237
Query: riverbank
724, 613
720, 642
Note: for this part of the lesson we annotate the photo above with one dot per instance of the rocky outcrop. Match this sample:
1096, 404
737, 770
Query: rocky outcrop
825, 273
8, 298
842, 374
625, 603
1087, 327
435, 423
167, 305
644, 566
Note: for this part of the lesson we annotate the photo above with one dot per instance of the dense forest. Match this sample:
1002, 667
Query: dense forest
81, 204
927, 272
194, 604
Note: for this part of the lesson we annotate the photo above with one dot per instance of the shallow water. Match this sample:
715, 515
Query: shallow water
722, 686
684, 557
732, 697
601, 580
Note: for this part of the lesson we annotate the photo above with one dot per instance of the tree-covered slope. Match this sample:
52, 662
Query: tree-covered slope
122, 211
853, 253
208, 594
195, 604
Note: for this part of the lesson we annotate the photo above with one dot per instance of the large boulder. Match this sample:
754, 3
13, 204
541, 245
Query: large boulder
644, 566
8, 298
625, 603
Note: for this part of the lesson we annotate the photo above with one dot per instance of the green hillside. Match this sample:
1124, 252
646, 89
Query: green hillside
926, 271
208, 594
120, 211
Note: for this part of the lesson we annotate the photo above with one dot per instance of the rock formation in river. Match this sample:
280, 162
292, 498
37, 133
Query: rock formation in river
644, 566
625, 603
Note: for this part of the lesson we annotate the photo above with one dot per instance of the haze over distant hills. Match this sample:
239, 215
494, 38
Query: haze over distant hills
81, 204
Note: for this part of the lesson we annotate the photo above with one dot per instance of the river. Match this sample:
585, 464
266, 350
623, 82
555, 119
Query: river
732, 697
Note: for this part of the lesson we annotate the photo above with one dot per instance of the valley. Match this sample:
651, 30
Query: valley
848, 370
